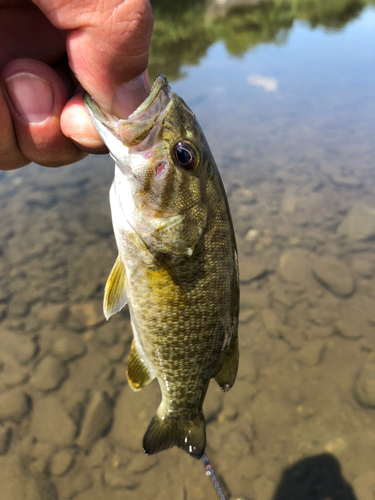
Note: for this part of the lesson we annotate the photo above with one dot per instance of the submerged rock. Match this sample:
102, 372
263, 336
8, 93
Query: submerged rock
62, 461
97, 420
49, 374
359, 223
334, 275
14, 405
294, 266
364, 386
69, 347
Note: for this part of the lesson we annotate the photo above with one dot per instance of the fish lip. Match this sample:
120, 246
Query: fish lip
111, 121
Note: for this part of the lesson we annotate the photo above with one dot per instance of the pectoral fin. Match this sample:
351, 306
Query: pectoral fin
115, 293
228, 371
137, 372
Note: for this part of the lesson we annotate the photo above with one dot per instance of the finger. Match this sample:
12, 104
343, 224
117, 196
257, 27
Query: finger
107, 47
11, 156
77, 125
36, 96
26, 32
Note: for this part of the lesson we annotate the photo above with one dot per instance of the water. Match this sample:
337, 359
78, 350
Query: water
285, 92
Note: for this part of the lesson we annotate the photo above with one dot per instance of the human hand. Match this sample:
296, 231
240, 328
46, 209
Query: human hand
42, 115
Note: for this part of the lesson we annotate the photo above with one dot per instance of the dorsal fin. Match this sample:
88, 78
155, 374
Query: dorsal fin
115, 292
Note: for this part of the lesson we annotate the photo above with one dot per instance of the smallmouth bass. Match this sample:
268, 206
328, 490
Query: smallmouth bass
177, 263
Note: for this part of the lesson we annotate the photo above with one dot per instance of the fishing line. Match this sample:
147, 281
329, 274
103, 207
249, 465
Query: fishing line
210, 472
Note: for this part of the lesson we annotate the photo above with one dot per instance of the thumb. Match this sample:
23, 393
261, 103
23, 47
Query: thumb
107, 45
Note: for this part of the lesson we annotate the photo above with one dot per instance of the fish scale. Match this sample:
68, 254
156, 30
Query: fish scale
177, 265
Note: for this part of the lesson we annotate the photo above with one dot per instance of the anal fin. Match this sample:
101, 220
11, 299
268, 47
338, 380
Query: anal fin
228, 371
165, 432
137, 371
115, 292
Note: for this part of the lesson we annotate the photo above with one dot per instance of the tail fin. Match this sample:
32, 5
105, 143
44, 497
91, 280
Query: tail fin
165, 432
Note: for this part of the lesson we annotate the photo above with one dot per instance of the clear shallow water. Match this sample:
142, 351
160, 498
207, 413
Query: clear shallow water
290, 119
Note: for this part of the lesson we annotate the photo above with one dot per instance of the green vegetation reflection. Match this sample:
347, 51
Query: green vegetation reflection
184, 30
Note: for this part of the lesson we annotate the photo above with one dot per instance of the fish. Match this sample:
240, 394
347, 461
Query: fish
177, 263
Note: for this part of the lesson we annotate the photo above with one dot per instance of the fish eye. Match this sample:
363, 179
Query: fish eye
185, 156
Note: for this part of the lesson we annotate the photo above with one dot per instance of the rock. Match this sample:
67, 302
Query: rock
364, 386
141, 463
119, 478
97, 420
42, 199
294, 266
349, 182
54, 313
14, 378
75, 483
62, 461
317, 332
359, 223
51, 422
271, 323
69, 347
364, 485
334, 275
14, 405
311, 354
116, 352
246, 315
250, 270
86, 315
5, 439
107, 336
3, 311
17, 308
17, 482
49, 374
99, 453
364, 268
352, 323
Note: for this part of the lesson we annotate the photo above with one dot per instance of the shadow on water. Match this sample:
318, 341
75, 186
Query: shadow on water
314, 478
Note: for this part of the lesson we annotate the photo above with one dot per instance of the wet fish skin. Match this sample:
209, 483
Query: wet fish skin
177, 266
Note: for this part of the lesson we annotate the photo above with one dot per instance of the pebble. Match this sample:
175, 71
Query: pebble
5, 439
271, 323
364, 386
74, 483
97, 420
62, 461
86, 315
107, 336
49, 374
311, 354
116, 352
352, 323
359, 223
18, 309
119, 478
334, 275
349, 182
3, 311
364, 268
100, 451
317, 332
14, 378
42, 199
24, 349
120, 376
246, 315
54, 313
69, 347
52, 423
14, 405
294, 266
250, 270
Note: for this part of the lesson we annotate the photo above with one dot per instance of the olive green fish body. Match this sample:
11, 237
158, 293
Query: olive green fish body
177, 266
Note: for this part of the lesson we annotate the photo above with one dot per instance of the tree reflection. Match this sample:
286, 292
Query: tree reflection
184, 30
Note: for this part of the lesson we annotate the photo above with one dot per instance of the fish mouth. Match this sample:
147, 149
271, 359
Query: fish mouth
135, 128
